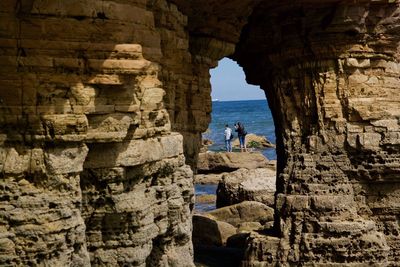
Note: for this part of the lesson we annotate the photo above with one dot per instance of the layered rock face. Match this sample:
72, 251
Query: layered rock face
103, 103
91, 171
331, 73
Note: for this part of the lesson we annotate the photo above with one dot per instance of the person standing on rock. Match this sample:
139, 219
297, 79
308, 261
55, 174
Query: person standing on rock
228, 137
239, 128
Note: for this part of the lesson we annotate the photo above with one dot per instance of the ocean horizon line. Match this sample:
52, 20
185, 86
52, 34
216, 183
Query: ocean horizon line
219, 100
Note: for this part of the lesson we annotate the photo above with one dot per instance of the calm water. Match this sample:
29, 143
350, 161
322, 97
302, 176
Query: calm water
254, 114
205, 189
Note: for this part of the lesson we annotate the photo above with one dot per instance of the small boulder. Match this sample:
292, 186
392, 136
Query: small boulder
210, 232
255, 141
210, 178
207, 142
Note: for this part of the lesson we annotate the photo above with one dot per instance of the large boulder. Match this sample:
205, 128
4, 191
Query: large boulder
218, 162
210, 232
247, 211
241, 185
255, 141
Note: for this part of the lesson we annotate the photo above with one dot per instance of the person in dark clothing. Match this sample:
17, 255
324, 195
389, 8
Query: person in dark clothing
239, 128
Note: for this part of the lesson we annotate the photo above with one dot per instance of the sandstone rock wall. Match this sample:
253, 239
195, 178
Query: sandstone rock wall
331, 73
92, 172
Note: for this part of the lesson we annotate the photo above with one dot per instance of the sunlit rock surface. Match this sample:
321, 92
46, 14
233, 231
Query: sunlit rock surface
219, 162
102, 106
241, 185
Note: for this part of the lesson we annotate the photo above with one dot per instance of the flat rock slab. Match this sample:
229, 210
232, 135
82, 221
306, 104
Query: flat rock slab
218, 162
247, 211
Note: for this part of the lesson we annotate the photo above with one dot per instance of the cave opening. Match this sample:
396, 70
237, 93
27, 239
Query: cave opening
234, 100
234, 180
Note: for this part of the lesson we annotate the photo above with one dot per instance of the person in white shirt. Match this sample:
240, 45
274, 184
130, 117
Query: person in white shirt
228, 138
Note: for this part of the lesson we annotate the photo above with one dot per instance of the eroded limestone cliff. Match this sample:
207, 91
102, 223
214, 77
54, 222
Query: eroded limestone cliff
331, 74
103, 104
92, 172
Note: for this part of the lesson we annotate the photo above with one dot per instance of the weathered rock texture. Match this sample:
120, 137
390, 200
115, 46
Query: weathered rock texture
213, 228
241, 185
219, 162
101, 100
246, 211
331, 74
254, 141
92, 172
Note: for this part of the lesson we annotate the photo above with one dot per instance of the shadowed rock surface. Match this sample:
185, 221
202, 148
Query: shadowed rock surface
211, 232
102, 106
220, 235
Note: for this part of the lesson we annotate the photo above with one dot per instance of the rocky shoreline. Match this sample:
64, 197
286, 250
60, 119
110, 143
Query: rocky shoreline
240, 207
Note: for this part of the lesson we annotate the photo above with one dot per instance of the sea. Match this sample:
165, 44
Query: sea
255, 115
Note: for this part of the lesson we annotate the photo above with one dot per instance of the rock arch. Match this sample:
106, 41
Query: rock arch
86, 86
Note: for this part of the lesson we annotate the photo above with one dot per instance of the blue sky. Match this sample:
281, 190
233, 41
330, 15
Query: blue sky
228, 82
